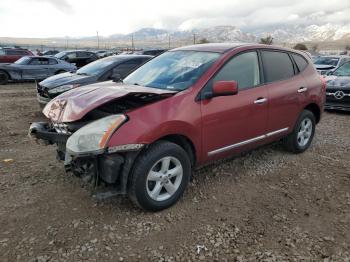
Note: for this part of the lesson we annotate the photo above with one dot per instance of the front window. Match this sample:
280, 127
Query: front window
344, 70
23, 60
95, 68
326, 60
175, 70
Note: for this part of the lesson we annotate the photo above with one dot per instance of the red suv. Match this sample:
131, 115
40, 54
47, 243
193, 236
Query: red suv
11, 55
181, 110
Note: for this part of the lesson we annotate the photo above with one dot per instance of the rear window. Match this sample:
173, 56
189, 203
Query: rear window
300, 61
277, 66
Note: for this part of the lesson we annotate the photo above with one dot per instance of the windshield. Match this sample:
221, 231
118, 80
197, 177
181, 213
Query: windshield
176, 70
60, 55
344, 70
96, 67
326, 60
23, 60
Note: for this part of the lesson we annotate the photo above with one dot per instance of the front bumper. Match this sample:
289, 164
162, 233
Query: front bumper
337, 106
42, 100
107, 168
337, 100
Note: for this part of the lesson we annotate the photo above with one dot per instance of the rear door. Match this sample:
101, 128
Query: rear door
237, 122
285, 87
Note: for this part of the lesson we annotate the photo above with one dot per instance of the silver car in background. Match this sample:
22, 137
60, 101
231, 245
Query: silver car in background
33, 68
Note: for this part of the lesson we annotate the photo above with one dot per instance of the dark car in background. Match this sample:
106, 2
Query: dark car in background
326, 64
11, 55
152, 52
338, 89
50, 53
109, 68
104, 53
77, 57
33, 68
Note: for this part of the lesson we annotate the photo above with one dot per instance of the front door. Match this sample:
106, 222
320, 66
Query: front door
234, 123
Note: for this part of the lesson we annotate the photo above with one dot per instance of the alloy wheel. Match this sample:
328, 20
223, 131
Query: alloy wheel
164, 178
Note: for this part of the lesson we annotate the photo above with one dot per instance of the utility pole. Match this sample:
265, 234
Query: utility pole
98, 40
132, 42
194, 38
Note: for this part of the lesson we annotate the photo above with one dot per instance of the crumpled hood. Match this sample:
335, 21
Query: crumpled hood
341, 82
65, 79
73, 105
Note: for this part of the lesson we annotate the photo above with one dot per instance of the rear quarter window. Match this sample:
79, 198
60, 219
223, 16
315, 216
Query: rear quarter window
300, 61
277, 66
52, 61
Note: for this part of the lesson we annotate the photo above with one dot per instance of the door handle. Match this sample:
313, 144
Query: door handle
302, 89
260, 100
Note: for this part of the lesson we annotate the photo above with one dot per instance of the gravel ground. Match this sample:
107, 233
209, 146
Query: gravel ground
268, 205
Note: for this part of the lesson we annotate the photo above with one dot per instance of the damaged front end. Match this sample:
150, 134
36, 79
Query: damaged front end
82, 141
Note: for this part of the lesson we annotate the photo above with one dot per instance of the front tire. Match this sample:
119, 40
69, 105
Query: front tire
160, 176
303, 133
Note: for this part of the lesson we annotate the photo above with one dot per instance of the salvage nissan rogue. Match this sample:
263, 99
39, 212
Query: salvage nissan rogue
181, 110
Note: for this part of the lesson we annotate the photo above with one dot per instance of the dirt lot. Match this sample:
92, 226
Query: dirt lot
268, 205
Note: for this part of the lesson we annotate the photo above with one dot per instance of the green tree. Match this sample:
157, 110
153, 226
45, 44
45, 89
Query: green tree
300, 46
266, 40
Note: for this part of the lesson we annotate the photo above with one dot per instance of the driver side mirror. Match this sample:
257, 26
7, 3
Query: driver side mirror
225, 88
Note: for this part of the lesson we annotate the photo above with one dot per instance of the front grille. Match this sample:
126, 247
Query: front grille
61, 128
338, 95
42, 90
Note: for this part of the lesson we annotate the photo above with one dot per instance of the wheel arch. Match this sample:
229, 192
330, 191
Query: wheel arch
315, 109
60, 71
184, 142
7, 73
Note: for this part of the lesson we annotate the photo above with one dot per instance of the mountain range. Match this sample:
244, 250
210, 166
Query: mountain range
288, 34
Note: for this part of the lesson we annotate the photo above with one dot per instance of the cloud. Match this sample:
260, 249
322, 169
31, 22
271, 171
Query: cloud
61, 5
84, 18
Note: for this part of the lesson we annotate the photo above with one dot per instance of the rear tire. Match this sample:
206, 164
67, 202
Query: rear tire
160, 176
4, 77
301, 137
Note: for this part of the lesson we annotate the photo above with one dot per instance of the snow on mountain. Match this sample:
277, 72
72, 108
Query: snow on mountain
289, 33
326, 32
